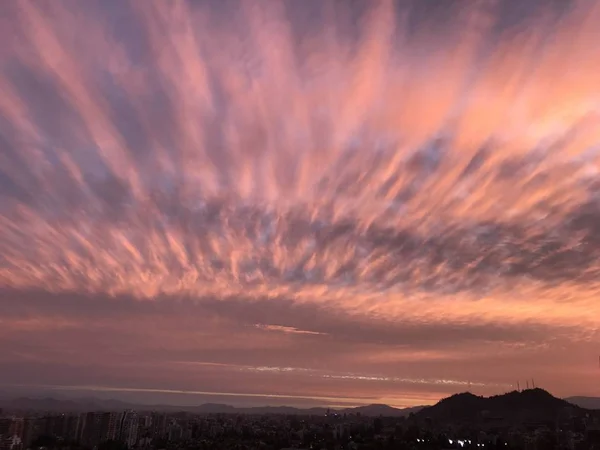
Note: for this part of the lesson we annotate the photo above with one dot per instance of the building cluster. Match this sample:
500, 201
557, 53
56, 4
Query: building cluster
88, 429
158, 430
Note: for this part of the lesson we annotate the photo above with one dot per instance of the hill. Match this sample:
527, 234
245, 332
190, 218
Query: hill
530, 405
382, 410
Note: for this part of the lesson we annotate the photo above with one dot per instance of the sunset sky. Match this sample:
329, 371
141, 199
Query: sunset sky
311, 202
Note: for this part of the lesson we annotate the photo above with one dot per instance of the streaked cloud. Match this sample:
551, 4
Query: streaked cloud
284, 329
202, 393
302, 186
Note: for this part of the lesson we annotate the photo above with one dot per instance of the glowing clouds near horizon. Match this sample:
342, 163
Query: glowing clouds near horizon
377, 161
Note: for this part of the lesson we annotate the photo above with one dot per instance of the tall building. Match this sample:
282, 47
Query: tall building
57, 426
159, 425
104, 425
70, 428
114, 425
80, 427
4, 427
129, 428
175, 432
30, 431
16, 428
132, 435
92, 429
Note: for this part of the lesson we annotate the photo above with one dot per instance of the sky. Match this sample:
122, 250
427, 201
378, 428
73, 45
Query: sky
310, 202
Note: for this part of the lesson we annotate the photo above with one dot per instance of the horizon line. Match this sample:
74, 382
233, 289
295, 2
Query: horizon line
360, 403
353, 401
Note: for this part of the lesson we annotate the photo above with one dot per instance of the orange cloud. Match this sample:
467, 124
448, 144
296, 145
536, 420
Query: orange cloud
396, 172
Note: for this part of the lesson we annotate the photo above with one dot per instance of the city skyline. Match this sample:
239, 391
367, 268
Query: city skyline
299, 203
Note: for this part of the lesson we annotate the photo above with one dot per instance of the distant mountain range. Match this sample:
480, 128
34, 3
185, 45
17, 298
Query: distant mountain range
585, 402
531, 405
93, 404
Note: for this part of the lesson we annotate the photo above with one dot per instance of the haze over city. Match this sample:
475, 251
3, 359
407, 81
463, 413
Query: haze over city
316, 202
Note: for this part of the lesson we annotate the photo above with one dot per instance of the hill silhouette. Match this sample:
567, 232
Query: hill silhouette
525, 406
381, 410
517, 406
